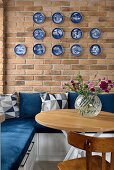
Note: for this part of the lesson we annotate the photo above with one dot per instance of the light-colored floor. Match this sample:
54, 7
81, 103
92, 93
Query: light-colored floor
46, 165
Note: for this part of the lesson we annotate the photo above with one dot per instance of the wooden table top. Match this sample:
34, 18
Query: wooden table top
69, 119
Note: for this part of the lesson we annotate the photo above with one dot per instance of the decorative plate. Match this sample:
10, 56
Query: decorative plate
76, 17
57, 18
38, 18
95, 33
57, 50
76, 33
76, 50
39, 34
57, 33
39, 49
95, 49
20, 49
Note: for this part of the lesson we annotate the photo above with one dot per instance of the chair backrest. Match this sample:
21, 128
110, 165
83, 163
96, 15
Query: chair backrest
93, 144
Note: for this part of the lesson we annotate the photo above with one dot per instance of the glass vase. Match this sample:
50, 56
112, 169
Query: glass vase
88, 106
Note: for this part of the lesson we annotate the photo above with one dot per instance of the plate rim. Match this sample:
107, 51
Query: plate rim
62, 50
43, 32
90, 33
61, 15
71, 16
39, 44
42, 15
81, 32
20, 54
60, 29
97, 45
74, 45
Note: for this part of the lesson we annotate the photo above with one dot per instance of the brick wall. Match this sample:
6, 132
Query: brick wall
32, 73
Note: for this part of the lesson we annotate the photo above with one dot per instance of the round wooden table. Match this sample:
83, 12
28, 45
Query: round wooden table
69, 119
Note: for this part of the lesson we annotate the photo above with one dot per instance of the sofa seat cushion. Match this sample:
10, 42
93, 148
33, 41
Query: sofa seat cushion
43, 129
16, 136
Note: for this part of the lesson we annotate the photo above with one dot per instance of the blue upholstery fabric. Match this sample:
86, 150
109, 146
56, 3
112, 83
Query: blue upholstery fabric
16, 136
30, 104
43, 129
107, 101
71, 99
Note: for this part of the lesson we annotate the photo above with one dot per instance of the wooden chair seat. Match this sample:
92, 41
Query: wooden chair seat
80, 164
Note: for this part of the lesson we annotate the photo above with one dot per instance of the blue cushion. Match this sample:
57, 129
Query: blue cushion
30, 104
71, 99
107, 101
43, 129
16, 136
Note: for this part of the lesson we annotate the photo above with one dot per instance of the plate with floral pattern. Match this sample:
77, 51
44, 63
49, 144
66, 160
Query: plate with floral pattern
39, 49
20, 49
57, 18
76, 50
57, 33
76, 17
57, 50
95, 49
95, 33
39, 33
76, 33
38, 18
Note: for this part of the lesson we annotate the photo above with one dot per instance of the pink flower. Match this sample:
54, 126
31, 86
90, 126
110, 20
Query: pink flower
61, 87
64, 83
72, 81
103, 85
109, 82
103, 78
99, 79
111, 85
91, 85
92, 89
107, 90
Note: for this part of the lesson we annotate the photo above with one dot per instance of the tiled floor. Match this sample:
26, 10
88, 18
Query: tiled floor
45, 165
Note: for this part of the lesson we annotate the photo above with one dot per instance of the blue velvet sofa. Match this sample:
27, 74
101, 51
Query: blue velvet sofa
17, 133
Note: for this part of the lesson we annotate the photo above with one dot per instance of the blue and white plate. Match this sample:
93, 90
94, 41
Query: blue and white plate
57, 50
20, 49
76, 33
76, 50
57, 33
57, 18
76, 17
39, 49
38, 18
39, 34
95, 49
95, 33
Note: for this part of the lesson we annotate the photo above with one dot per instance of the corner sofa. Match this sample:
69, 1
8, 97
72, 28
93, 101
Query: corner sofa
17, 134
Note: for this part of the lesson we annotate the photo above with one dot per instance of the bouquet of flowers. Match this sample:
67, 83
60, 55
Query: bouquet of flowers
83, 88
88, 103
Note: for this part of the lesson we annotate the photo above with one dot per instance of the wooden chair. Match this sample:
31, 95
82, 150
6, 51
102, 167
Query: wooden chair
89, 144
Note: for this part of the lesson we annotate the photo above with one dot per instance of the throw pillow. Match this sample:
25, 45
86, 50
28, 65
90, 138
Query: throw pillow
9, 106
71, 99
30, 104
54, 101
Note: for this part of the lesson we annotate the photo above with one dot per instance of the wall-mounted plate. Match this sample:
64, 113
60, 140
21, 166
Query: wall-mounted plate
57, 18
39, 49
57, 50
38, 18
95, 49
57, 33
39, 34
76, 17
20, 49
76, 33
95, 33
76, 50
